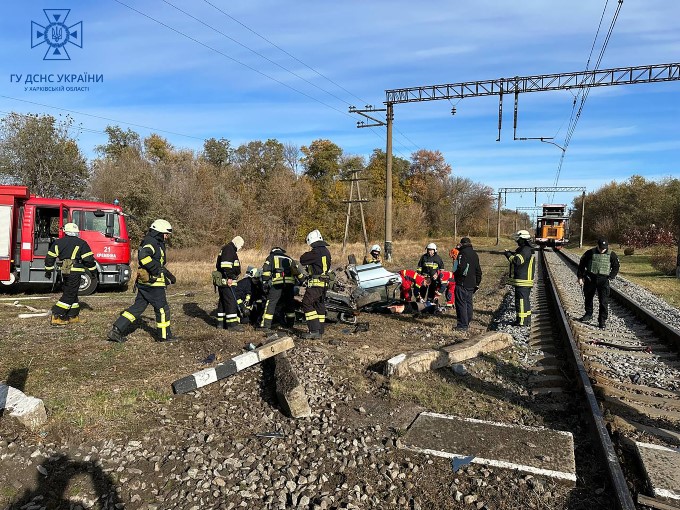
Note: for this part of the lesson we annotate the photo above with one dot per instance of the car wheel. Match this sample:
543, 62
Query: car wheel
88, 284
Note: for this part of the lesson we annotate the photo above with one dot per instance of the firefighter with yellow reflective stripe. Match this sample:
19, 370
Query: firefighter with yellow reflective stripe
229, 265
152, 278
279, 275
318, 263
76, 258
522, 276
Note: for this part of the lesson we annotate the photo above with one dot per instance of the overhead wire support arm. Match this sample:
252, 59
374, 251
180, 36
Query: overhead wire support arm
363, 113
537, 83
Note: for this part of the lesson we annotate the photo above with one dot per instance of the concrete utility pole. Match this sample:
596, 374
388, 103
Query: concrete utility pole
583, 215
498, 225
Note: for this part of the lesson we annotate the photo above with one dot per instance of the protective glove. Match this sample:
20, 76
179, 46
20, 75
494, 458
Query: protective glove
507, 253
48, 275
170, 277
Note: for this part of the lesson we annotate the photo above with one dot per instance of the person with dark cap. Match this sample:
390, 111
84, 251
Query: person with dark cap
521, 276
229, 265
597, 267
468, 276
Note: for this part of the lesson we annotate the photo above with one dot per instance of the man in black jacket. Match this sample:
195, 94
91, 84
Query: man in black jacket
521, 276
69, 248
468, 276
278, 276
597, 267
318, 263
430, 264
152, 278
229, 265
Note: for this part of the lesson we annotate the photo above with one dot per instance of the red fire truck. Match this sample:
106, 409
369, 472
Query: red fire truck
29, 224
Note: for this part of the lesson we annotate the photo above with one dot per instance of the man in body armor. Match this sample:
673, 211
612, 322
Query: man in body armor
76, 258
597, 267
152, 278
522, 276
279, 276
318, 262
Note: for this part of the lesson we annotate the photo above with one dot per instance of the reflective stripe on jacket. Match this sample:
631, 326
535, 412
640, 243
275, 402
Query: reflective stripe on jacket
318, 262
74, 248
278, 268
151, 256
521, 267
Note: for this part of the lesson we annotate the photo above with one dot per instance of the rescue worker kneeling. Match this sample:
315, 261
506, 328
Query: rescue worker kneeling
373, 257
76, 257
250, 297
279, 275
152, 278
229, 265
318, 262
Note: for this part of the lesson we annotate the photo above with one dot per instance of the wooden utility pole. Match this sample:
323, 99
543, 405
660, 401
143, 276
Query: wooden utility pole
354, 180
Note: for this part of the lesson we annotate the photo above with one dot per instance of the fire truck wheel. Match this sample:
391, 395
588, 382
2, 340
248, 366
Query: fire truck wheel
88, 284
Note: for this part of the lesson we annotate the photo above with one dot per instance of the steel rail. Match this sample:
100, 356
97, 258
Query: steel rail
624, 499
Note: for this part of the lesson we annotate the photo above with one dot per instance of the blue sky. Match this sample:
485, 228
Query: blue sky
228, 81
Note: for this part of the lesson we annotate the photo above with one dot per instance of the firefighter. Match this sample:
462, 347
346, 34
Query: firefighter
597, 267
229, 265
430, 263
279, 275
468, 277
521, 276
318, 262
412, 283
250, 296
373, 256
152, 278
76, 258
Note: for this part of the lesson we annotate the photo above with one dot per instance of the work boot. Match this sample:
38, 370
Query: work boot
311, 335
601, 324
265, 330
115, 335
77, 320
587, 317
58, 321
235, 327
170, 337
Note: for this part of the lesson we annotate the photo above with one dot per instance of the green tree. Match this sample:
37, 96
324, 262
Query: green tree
119, 143
217, 152
39, 152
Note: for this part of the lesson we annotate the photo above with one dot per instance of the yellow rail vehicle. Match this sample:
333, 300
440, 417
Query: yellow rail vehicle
552, 227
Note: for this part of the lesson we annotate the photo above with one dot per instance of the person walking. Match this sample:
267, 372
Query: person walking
468, 277
521, 276
597, 267
229, 265
152, 278
76, 258
278, 275
429, 265
318, 262
373, 256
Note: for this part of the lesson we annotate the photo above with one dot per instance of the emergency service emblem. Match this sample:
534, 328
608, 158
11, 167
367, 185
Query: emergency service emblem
57, 34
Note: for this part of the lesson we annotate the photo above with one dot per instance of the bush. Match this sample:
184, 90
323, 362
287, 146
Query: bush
664, 259
648, 236
630, 250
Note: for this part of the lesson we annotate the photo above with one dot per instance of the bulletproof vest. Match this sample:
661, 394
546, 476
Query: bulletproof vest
600, 264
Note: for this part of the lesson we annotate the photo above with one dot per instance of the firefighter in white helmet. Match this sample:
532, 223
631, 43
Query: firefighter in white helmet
429, 265
76, 258
152, 278
318, 263
373, 257
521, 276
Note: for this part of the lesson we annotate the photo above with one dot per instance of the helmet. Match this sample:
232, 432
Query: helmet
432, 246
253, 272
522, 234
313, 237
375, 247
162, 226
238, 242
71, 229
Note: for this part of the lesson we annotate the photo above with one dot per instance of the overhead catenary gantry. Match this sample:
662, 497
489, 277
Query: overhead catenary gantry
499, 87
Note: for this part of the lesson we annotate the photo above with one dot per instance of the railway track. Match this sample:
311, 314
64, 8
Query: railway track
629, 373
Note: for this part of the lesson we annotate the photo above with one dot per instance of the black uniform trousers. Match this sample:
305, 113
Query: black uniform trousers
147, 295
227, 308
68, 307
463, 302
281, 296
314, 308
599, 284
523, 306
